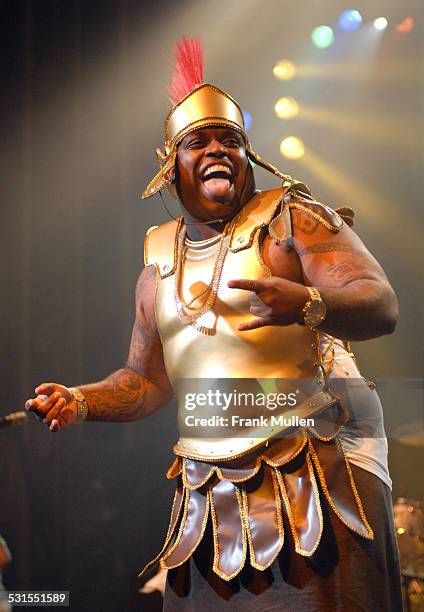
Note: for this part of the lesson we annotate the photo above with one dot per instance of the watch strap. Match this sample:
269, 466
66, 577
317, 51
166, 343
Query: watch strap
81, 402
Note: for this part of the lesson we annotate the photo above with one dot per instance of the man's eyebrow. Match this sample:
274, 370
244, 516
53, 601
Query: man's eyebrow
236, 136
191, 136
232, 133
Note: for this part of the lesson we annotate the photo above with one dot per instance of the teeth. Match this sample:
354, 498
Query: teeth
217, 168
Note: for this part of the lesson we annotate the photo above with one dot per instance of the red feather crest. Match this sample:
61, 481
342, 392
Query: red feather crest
188, 70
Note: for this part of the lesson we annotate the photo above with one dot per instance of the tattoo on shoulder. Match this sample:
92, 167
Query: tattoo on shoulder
331, 247
145, 333
304, 223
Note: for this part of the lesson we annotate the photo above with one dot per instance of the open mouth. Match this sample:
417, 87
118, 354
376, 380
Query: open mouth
217, 180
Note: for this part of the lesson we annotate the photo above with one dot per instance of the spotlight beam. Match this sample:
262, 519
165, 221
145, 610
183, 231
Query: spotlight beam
371, 207
379, 129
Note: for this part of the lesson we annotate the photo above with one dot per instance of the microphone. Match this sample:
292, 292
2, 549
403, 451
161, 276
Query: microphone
13, 419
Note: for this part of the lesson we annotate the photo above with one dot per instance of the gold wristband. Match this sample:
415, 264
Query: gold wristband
81, 402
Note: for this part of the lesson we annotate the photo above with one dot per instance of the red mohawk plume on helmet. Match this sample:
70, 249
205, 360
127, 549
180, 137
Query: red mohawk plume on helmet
196, 105
188, 70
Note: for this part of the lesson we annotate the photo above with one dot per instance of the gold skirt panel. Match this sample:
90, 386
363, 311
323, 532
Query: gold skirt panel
251, 502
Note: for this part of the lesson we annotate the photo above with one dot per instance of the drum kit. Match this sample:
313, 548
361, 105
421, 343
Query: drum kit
409, 525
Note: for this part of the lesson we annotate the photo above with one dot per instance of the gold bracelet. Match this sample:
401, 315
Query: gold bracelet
81, 402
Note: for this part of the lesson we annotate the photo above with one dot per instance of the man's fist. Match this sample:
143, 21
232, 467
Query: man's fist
54, 405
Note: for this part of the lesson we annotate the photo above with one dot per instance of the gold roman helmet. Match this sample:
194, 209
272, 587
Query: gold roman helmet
196, 105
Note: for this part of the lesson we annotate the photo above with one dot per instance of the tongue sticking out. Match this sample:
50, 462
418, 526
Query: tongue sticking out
218, 187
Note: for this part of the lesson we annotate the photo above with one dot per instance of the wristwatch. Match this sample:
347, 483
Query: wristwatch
314, 310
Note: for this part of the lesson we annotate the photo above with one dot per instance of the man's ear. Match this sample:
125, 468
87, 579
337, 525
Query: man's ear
171, 176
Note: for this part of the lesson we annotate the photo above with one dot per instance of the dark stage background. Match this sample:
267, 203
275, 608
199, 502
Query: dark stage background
83, 102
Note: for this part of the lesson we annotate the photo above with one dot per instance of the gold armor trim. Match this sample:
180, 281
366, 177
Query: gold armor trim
193, 487
336, 223
278, 510
175, 513
290, 514
258, 212
146, 243
215, 526
175, 469
164, 559
180, 528
370, 534
294, 454
217, 470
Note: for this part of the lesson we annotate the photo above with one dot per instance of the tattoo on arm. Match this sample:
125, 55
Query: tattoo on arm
141, 340
360, 302
355, 263
346, 271
119, 397
330, 247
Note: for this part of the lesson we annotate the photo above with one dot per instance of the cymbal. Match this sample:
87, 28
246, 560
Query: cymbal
410, 434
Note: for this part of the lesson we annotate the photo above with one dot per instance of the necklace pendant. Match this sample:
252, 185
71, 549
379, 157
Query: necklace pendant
211, 291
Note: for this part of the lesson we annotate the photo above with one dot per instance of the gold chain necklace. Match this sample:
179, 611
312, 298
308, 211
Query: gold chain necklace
211, 290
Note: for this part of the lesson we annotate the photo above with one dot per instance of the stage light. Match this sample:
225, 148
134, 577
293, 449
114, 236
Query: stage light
350, 20
284, 70
247, 120
405, 26
292, 147
380, 23
286, 108
322, 37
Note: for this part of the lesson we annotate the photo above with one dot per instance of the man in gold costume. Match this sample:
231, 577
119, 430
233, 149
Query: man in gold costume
249, 290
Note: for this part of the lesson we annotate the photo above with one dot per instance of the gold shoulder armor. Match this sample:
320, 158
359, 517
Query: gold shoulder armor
160, 247
298, 196
328, 217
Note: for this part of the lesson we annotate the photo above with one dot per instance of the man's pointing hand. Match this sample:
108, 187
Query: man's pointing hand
273, 301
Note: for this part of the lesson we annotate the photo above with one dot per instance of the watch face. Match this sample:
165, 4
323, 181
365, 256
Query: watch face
315, 313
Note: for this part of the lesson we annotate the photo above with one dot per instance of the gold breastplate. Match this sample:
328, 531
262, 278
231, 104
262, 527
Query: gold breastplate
192, 357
